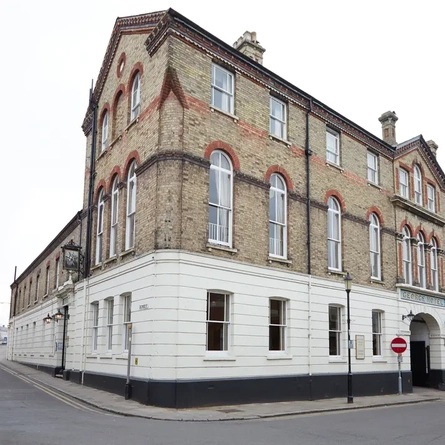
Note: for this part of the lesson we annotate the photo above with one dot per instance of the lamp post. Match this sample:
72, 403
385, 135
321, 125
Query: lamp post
348, 286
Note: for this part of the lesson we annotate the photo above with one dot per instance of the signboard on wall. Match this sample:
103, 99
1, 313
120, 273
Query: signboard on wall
360, 347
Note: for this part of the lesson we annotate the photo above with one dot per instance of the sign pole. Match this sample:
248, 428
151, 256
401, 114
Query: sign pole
399, 345
399, 359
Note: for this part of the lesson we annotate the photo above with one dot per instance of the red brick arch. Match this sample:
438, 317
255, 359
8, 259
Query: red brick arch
422, 231
337, 195
122, 58
116, 171
137, 68
406, 223
277, 169
434, 235
101, 184
119, 90
133, 155
106, 107
377, 211
220, 145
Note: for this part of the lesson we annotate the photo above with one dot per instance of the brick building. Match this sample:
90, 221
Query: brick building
225, 206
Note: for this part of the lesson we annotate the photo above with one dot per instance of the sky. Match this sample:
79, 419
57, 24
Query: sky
361, 58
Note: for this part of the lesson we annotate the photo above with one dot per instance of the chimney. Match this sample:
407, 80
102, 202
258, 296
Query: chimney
433, 147
388, 121
249, 46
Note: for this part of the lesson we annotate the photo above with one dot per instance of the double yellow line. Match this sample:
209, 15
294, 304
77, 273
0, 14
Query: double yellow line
56, 395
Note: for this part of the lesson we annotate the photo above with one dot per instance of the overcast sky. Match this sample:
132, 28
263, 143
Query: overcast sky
361, 58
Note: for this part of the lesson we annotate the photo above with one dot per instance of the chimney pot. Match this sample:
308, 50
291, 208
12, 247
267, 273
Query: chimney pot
388, 121
433, 147
249, 46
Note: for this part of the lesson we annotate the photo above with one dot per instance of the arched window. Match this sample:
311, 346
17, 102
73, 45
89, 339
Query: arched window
220, 199
418, 198
136, 96
434, 265
421, 269
374, 246
334, 234
100, 226
114, 216
104, 144
277, 217
131, 207
407, 255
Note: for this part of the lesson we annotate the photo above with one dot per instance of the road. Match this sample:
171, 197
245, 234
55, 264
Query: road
31, 414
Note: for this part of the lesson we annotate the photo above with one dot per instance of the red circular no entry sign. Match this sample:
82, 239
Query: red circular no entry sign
398, 345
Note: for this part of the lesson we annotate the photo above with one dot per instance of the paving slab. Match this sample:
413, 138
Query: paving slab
117, 404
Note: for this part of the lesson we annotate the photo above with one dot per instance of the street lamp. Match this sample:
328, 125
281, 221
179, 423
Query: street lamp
348, 286
47, 319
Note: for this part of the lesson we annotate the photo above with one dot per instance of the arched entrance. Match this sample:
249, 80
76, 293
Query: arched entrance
425, 350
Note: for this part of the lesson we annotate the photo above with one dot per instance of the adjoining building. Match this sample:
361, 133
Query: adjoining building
222, 208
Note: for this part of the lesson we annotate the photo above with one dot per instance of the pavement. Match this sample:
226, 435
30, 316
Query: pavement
118, 405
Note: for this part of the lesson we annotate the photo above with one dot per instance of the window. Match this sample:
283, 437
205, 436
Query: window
131, 207
421, 260
100, 226
218, 321
95, 325
220, 199
110, 309
334, 238
105, 131
407, 255
136, 96
37, 288
404, 183
374, 246
29, 293
24, 297
434, 266
332, 147
56, 276
114, 217
418, 185
127, 321
277, 325
376, 333
431, 192
373, 168
277, 217
47, 281
277, 118
222, 89
334, 330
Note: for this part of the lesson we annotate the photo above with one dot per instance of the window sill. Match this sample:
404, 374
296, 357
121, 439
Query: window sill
211, 246
278, 139
122, 357
336, 166
373, 184
111, 259
106, 357
279, 357
379, 360
133, 122
337, 360
336, 272
128, 252
116, 139
219, 358
225, 113
376, 281
92, 356
102, 153
96, 267
275, 259
45, 296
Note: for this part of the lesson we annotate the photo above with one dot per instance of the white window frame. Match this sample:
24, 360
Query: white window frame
56, 278
335, 331
407, 256
228, 93
94, 325
37, 288
373, 167
434, 265
225, 340
277, 240
418, 194
104, 141
100, 227
421, 264
332, 147
281, 326
374, 246
130, 226
126, 321
278, 122
218, 233
110, 315
431, 194
136, 97
114, 223
404, 183
47, 280
377, 333
334, 217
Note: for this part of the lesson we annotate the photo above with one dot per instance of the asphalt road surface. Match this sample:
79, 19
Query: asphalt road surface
31, 414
